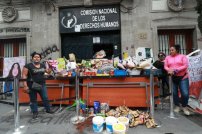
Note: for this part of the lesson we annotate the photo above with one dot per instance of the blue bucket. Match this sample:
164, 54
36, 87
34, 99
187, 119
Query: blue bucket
98, 124
110, 120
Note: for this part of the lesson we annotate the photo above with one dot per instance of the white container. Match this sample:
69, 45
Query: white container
134, 71
110, 120
98, 124
119, 128
124, 120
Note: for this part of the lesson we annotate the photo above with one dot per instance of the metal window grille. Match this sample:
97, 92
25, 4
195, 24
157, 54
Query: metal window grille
180, 39
163, 41
22, 49
8, 50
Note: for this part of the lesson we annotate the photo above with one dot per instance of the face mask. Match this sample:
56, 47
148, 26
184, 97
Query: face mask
36, 62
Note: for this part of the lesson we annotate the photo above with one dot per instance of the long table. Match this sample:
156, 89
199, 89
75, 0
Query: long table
133, 91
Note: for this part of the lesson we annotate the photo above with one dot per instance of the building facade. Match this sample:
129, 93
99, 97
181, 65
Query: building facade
56, 28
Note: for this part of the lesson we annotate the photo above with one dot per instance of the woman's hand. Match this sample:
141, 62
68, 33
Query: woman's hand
48, 71
170, 72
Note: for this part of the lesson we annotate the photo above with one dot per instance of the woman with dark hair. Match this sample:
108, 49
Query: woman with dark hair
164, 76
34, 73
176, 65
15, 71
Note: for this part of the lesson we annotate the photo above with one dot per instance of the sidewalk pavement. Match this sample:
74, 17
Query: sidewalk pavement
60, 123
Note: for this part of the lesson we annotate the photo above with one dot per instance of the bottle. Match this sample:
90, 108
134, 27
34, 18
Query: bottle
96, 107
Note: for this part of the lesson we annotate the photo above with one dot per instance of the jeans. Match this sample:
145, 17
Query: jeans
183, 86
44, 98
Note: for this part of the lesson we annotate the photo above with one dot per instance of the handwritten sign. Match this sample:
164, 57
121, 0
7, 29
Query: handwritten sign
195, 88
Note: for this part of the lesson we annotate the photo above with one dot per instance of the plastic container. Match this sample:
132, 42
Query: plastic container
125, 55
119, 128
124, 120
120, 72
98, 124
96, 107
110, 120
134, 72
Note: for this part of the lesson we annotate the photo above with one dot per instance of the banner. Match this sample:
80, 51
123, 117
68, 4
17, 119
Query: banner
195, 89
12, 68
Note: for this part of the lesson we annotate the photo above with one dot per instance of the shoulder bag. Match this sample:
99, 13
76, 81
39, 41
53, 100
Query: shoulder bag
35, 86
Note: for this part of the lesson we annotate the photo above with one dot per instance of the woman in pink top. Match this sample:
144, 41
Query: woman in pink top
176, 65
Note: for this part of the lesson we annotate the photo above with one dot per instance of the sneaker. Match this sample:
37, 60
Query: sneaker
186, 111
177, 109
35, 116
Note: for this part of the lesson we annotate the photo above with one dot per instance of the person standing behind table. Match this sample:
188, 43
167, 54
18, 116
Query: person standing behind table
176, 64
159, 64
35, 71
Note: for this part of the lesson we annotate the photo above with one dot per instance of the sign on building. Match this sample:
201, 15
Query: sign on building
83, 19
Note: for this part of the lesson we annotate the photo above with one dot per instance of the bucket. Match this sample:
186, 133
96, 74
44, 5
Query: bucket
124, 120
110, 120
119, 128
98, 124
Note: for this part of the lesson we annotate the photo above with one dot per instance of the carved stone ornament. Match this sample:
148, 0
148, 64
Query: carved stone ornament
175, 5
9, 14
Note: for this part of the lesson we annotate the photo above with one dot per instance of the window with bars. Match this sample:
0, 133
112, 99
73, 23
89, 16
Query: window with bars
8, 49
11, 48
168, 38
